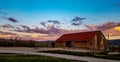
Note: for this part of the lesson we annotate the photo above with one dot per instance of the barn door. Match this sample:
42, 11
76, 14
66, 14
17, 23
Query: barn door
68, 44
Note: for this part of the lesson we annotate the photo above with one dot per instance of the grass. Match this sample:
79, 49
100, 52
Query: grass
31, 58
90, 54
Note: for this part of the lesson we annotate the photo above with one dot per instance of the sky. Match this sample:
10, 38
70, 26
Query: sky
49, 19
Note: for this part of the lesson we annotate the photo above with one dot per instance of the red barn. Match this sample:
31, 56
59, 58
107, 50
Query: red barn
94, 40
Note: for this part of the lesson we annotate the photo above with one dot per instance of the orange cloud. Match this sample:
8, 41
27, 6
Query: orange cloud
113, 33
117, 28
114, 37
35, 36
5, 36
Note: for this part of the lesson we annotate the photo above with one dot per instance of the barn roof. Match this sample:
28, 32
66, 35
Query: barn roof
81, 36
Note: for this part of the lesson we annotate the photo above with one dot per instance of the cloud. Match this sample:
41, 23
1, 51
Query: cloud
105, 26
113, 34
12, 19
6, 26
24, 28
117, 28
54, 21
108, 28
77, 21
48, 29
2, 15
45, 33
90, 27
43, 24
27, 29
6, 33
18, 28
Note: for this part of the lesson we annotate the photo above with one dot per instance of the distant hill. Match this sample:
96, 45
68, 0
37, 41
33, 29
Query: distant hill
45, 43
48, 42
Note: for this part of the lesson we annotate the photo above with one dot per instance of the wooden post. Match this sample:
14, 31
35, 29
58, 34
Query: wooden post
108, 36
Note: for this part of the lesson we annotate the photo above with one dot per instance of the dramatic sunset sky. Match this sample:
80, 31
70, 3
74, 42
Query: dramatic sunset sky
49, 19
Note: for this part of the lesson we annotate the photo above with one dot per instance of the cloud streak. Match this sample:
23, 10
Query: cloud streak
77, 21
6, 33
105, 26
12, 19
3, 16
43, 24
108, 28
54, 21
7, 26
49, 30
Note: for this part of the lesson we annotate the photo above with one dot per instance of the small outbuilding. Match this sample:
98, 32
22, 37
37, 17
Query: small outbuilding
93, 40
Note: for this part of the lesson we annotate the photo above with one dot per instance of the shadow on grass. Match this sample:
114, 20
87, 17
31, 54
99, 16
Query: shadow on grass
90, 54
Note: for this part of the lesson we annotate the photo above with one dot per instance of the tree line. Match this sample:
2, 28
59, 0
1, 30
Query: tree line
16, 43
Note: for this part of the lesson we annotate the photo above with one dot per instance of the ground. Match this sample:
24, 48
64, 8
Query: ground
32, 51
31, 58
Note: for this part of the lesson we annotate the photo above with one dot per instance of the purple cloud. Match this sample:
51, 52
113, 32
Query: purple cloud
24, 28
18, 28
7, 26
54, 21
77, 21
43, 23
12, 19
4, 33
50, 31
105, 26
7, 18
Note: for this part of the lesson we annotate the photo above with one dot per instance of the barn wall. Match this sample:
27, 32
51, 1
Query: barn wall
59, 44
103, 43
80, 44
76, 44
98, 42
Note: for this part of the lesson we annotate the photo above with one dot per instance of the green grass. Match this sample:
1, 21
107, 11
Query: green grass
31, 58
90, 54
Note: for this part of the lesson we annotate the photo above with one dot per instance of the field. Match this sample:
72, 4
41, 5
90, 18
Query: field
31, 58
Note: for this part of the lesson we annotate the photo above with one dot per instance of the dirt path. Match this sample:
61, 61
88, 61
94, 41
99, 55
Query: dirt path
89, 59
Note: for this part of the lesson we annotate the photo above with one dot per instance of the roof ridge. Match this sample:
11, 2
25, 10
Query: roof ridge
82, 32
